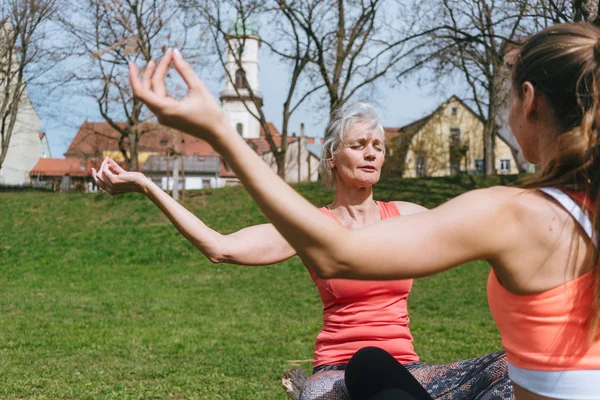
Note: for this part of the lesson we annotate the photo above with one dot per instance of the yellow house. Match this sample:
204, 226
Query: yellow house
446, 142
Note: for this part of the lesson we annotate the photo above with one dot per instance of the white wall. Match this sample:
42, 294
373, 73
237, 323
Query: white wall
291, 165
45, 148
236, 112
192, 182
24, 148
249, 62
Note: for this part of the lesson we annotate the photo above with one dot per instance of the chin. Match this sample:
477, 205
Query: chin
531, 156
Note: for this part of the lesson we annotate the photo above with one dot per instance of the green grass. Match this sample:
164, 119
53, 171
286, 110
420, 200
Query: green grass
100, 297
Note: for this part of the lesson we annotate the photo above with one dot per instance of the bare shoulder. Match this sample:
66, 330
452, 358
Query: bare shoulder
531, 204
407, 208
497, 199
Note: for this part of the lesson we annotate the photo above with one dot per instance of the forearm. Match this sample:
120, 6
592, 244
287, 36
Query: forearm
191, 227
315, 237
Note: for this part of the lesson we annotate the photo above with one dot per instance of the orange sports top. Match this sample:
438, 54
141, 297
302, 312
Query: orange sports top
363, 313
548, 331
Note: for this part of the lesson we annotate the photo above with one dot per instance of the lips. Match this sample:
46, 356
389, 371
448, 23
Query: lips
368, 168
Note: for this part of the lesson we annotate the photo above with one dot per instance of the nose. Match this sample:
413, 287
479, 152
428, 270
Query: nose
370, 153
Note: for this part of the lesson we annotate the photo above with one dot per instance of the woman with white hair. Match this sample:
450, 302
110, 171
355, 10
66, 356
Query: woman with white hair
356, 314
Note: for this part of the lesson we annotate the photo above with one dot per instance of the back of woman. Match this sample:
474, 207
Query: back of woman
544, 294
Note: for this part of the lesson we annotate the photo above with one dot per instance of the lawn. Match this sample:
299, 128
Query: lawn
102, 298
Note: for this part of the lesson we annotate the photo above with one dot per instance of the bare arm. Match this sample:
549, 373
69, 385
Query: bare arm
255, 245
417, 245
406, 208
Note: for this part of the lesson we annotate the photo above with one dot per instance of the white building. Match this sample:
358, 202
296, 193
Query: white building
24, 146
234, 105
44, 146
239, 107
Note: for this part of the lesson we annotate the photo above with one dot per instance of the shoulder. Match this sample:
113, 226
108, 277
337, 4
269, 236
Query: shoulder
407, 208
497, 196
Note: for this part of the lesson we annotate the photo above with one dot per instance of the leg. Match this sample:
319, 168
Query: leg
325, 385
373, 373
481, 378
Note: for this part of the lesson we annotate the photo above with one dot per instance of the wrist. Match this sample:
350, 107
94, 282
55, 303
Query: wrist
142, 183
223, 132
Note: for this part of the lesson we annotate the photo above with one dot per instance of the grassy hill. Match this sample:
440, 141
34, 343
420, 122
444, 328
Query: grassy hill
100, 297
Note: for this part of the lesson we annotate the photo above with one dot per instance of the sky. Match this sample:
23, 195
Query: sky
397, 104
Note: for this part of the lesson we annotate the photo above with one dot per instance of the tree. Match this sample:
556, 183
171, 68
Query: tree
107, 35
473, 41
354, 43
24, 57
556, 11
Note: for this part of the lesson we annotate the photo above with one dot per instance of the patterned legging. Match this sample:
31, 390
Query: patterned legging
481, 378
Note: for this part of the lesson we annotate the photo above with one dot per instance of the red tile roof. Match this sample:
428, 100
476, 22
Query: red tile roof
62, 166
95, 138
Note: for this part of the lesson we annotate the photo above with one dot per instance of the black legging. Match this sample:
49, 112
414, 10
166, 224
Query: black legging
373, 374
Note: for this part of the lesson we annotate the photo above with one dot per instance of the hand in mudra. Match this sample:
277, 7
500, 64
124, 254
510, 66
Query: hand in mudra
197, 113
114, 180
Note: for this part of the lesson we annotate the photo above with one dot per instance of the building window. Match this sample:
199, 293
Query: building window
239, 128
454, 110
240, 79
479, 165
164, 142
455, 135
421, 165
205, 183
505, 165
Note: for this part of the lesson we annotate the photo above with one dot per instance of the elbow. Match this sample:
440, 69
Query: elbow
214, 255
215, 259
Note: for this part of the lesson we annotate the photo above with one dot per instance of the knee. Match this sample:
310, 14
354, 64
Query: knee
325, 385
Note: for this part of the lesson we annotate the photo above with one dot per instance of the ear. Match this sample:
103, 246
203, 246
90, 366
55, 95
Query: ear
530, 99
331, 163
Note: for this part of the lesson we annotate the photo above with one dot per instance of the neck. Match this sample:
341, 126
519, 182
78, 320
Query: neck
547, 142
352, 203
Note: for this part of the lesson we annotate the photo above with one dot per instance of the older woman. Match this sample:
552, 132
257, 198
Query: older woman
356, 314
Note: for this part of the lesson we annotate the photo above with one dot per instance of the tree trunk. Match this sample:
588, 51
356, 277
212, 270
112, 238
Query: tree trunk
585, 10
280, 162
489, 136
182, 177
175, 191
133, 151
489, 154
8, 130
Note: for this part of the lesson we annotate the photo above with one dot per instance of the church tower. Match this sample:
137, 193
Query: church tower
234, 106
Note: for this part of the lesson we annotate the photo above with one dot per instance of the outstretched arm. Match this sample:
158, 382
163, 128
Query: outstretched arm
416, 245
255, 245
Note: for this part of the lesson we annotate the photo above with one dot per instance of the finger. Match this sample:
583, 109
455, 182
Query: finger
147, 81
158, 79
102, 168
186, 72
110, 177
134, 79
115, 167
97, 179
146, 96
